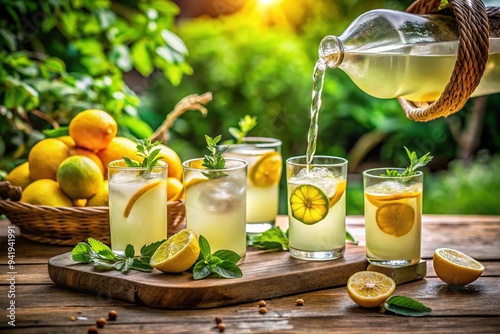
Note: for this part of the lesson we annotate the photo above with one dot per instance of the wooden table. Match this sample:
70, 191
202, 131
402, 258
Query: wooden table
42, 307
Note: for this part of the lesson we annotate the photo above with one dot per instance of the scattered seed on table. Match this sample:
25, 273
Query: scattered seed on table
218, 320
221, 326
92, 330
262, 303
299, 302
262, 310
100, 322
112, 315
72, 318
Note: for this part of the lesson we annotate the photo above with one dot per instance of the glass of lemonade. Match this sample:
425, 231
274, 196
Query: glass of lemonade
215, 202
263, 156
316, 207
137, 205
393, 217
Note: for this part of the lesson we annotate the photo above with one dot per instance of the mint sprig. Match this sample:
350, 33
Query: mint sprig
147, 151
275, 239
222, 263
415, 163
103, 258
245, 124
406, 306
215, 159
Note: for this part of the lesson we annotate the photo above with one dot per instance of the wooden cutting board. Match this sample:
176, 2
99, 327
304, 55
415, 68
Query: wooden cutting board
265, 275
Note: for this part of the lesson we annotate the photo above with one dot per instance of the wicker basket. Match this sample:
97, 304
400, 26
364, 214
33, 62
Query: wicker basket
69, 225
474, 33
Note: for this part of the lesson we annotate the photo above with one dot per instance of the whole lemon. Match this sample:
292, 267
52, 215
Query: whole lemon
79, 177
173, 160
45, 192
93, 129
45, 157
88, 154
117, 148
20, 175
101, 198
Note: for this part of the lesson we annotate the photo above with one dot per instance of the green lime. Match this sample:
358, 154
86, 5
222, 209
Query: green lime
309, 204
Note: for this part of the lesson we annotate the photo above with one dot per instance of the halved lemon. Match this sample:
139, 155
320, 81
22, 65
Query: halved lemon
267, 170
395, 219
380, 200
370, 288
178, 253
138, 194
309, 204
338, 193
455, 267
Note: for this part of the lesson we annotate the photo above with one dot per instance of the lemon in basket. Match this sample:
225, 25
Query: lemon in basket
79, 177
20, 175
178, 253
45, 192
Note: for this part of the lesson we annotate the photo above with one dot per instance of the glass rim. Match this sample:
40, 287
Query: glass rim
112, 165
368, 173
244, 164
260, 142
341, 161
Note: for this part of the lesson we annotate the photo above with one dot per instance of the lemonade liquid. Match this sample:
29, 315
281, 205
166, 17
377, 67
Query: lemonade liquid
262, 199
323, 239
393, 223
326, 235
216, 208
147, 220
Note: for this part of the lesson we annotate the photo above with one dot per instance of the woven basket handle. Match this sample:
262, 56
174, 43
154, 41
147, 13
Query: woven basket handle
471, 60
8, 191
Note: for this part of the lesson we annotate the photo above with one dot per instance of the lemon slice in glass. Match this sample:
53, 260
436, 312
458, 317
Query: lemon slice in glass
138, 194
456, 268
178, 253
370, 288
341, 185
309, 204
395, 219
267, 170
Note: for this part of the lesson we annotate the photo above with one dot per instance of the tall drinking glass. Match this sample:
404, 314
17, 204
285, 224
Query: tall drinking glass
263, 156
137, 205
216, 203
316, 207
393, 217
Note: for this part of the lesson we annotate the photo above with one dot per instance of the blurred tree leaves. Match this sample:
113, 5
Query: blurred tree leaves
60, 57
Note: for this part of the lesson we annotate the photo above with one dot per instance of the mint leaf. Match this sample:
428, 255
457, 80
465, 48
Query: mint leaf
141, 265
406, 306
82, 252
201, 270
146, 150
101, 249
215, 160
245, 124
350, 237
415, 163
227, 255
204, 247
272, 239
129, 251
124, 265
148, 250
228, 269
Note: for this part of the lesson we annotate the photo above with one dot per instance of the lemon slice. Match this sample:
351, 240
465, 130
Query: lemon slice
194, 181
395, 219
456, 268
309, 204
178, 253
370, 288
267, 170
380, 200
338, 193
138, 194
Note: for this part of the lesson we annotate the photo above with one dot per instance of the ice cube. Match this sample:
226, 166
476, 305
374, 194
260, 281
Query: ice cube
320, 177
221, 195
